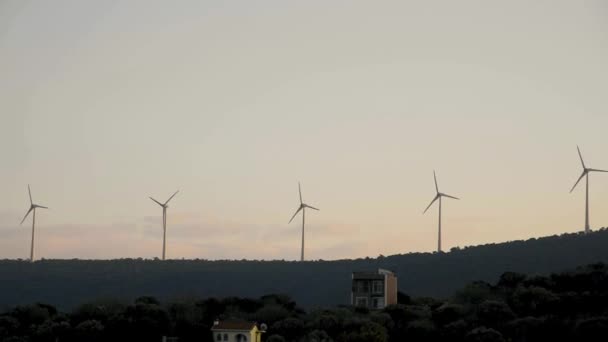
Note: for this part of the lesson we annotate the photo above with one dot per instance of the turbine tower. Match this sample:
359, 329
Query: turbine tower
32, 209
302, 208
585, 174
438, 196
164, 206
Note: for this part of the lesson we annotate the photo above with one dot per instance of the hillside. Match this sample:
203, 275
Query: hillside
66, 283
561, 307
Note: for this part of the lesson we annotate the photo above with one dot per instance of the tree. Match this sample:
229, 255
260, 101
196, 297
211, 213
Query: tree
270, 314
592, 329
447, 313
33, 314
145, 320
526, 329
279, 299
483, 334
8, 326
275, 338
533, 301
90, 330
454, 331
365, 332
494, 313
147, 300
474, 293
318, 336
51, 330
290, 328
421, 330
511, 279
328, 323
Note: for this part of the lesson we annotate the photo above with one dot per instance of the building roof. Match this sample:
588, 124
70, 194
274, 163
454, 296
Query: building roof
234, 325
379, 274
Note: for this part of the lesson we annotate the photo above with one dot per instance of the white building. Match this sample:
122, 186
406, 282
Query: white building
374, 290
236, 331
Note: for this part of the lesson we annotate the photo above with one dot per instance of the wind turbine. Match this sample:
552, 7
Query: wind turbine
302, 208
164, 206
32, 209
585, 174
438, 196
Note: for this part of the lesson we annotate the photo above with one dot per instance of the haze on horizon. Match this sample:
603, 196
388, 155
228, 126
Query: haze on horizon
104, 103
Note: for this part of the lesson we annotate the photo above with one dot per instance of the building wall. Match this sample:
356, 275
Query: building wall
385, 295
391, 289
252, 336
373, 291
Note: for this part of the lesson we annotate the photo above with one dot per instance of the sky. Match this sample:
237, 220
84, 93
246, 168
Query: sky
104, 103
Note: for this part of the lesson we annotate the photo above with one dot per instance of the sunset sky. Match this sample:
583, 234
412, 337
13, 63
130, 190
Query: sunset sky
104, 103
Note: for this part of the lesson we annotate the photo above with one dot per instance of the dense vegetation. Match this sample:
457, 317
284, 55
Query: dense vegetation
570, 306
67, 283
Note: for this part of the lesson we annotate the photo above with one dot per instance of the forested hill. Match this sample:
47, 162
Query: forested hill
66, 283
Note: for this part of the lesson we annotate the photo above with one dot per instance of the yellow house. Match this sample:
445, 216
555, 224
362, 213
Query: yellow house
236, 331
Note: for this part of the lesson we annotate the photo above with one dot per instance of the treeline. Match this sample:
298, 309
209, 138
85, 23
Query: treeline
567, 306
67, 283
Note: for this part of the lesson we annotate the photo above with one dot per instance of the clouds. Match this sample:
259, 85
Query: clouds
189, 235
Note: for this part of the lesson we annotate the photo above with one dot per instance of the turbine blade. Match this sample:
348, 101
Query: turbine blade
307, 206
157, 202
41, 206
294, 215
444, 195
300, 191
30, 192
581, 156
435, 177
579, 179
26, 214
596, 170
171, 197
433, 201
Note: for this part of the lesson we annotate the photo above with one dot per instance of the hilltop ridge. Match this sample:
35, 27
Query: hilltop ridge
66, 283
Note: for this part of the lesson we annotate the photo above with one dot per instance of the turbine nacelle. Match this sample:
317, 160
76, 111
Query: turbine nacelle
165, 205
438, 195
586, 170
300, 208
302, 204
32, 205
308, 206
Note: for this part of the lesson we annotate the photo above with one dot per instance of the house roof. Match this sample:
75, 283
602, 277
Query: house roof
367, 275
379, 274
234, 325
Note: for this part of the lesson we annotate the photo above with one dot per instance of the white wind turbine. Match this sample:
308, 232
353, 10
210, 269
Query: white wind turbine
164, 206
32, 209
585, 174
302, 208
438, 196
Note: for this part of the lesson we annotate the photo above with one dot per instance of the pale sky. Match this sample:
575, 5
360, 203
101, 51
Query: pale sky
104, 103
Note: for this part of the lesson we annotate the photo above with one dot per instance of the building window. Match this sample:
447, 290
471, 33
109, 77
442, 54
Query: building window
362, 286
219, 337
378, 286
225, 337
378, 303
361, 301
